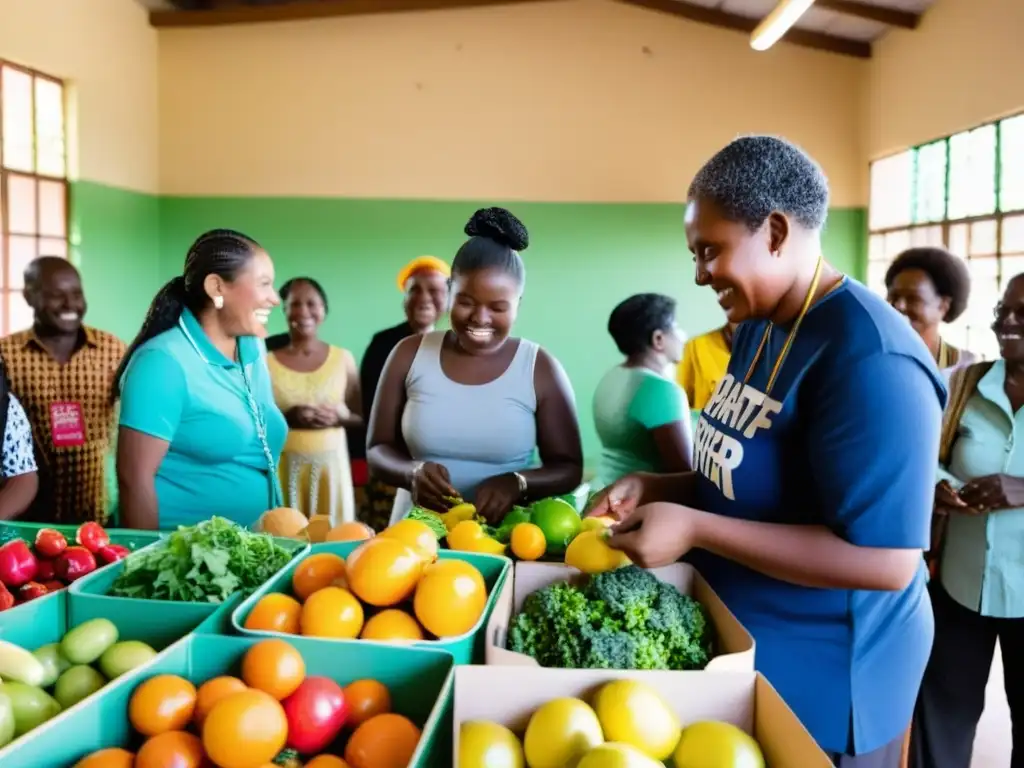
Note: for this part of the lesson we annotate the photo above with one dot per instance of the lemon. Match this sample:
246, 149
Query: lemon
614, 755
464, 535
590, 553
711, 744
560, 732
484, 744
634, 713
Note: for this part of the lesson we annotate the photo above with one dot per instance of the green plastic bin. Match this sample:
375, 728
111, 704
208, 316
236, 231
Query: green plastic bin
157, 622
420, 682
465, 648
123, 536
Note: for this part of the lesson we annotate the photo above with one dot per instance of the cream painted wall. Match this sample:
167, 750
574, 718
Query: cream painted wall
963, 66
585, 100
107, 52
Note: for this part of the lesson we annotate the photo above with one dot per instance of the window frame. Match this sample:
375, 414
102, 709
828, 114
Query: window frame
946, 223
9, 294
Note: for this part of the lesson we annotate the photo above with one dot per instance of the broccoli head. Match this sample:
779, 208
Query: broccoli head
622, 619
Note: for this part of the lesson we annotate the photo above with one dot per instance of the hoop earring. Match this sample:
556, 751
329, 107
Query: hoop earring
218, 302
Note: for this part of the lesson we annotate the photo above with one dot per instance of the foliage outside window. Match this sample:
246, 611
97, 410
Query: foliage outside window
964, 193
33, 182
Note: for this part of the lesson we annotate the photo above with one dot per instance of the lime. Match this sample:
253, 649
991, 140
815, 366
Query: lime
711, 744
559, 521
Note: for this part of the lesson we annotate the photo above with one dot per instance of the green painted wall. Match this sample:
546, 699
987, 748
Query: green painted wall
583, 260
115, 236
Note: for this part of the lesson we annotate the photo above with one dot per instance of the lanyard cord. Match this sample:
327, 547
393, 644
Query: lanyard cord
808, 299
257, 416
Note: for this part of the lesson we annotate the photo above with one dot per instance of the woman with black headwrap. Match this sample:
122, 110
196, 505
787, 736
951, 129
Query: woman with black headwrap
463, 412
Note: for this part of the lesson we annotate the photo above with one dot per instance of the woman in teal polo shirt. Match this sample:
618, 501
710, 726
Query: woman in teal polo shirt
200, 434
815, 461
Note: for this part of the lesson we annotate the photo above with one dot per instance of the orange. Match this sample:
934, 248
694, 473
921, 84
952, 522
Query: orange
324, 569
366, 699
383, 741
114, 757
332, 612
392, 624
450, 598
245, 730
383, 571
211, 692
274, 667
528, 542
350, 531
171, 749
162, 703
275, 613
327, 761
417, 535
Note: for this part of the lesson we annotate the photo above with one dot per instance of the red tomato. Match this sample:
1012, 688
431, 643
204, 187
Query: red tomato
31, 590
46, 570
92, 536
6, 598
53, 585
316, 713
17, 563
50, 542
112, 553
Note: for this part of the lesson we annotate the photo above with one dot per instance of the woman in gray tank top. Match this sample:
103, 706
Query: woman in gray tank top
464, 412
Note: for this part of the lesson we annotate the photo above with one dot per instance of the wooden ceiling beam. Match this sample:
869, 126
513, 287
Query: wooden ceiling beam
893, 17
802, 37
309, 9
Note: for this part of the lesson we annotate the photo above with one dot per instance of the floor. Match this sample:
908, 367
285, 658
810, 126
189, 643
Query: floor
992, 746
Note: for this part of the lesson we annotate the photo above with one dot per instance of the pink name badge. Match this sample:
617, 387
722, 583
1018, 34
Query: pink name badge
67, 425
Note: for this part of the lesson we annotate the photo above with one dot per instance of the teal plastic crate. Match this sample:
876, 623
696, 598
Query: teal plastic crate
123, 536
37, 622
419, 680
157, 622
465, 648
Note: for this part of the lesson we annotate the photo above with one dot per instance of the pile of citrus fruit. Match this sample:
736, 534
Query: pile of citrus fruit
390, 588
272, 713
627, 724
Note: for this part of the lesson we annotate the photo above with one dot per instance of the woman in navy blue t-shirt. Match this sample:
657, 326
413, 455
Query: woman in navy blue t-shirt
815, 460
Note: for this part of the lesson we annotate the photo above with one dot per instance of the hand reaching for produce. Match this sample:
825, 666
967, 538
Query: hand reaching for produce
618, 500
432, 487
495, 496
656, 534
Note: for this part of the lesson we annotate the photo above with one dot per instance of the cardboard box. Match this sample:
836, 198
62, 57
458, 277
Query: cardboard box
745, 699
734, 647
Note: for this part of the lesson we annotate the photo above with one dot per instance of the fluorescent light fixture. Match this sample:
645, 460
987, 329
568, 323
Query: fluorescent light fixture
778, 23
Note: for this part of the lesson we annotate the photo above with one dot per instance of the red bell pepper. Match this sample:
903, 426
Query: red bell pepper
6, 598
45, 570
112, 553
92, 536
75, 563
50, 543
17, 563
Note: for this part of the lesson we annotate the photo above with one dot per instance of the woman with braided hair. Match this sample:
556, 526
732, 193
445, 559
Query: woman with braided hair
199, 433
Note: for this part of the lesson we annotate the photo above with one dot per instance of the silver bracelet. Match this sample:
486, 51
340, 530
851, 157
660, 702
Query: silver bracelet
522, 483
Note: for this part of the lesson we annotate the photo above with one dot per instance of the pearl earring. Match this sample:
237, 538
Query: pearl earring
218, 302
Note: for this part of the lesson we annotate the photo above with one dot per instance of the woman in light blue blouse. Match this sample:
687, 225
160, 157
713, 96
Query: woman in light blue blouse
978, 595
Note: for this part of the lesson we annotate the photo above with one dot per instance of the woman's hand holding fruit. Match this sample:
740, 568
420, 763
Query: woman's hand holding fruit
431, 486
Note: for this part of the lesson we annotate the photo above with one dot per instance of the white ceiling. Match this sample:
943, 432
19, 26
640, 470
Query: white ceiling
818, 20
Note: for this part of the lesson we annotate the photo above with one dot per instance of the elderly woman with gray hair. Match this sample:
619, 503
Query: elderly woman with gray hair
809, 507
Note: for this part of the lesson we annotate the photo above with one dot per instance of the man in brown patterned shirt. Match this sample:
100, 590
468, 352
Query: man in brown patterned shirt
62, 371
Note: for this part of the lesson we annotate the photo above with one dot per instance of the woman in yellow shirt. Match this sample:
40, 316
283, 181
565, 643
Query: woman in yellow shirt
705, 360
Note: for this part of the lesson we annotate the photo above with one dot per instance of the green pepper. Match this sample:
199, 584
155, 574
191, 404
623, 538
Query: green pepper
515, 516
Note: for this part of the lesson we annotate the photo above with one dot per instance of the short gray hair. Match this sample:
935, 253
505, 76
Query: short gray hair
755, 176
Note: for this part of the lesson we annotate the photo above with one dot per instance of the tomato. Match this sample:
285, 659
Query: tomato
383, 571
327, 761
384, 741
417, 535
365, 699
450, 598
392, 625
171, 749
112, 553
50, 543
92, 537
46, 571
245, 730
162, 703
324, 569
332, 612
274, 667
211, 692
74, 563
316, 713
114, 757
31, 590
6, 598
275, 613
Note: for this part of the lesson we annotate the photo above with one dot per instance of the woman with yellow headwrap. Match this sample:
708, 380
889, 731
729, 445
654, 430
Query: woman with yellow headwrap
424, 285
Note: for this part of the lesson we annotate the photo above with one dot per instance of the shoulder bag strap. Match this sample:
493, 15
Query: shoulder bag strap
962, 384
